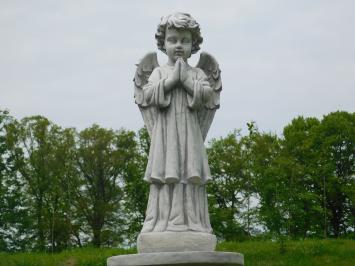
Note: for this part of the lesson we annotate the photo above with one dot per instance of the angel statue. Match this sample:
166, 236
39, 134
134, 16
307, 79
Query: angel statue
178, 103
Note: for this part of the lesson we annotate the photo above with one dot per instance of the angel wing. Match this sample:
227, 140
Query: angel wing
210, 67
144, 69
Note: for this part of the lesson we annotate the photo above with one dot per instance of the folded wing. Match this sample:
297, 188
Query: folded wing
210, 67
144, 69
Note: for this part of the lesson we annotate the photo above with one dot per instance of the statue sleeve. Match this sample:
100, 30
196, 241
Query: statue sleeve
201, 95
153, 91
205, 101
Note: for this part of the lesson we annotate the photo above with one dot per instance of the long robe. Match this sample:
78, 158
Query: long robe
177, 166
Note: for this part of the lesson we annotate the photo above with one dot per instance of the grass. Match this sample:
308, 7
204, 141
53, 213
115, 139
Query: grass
75, 257
307, 252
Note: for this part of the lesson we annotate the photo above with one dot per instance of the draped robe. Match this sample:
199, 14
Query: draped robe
177, 168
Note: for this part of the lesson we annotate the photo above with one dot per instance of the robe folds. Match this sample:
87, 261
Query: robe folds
177, 167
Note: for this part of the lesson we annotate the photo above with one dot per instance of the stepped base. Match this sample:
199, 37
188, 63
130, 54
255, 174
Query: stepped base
175, 242
191, 258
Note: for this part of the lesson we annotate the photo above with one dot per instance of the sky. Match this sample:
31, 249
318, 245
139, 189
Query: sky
73, 61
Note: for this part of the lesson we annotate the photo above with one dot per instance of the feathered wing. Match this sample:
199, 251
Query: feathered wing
210, 67
144, 69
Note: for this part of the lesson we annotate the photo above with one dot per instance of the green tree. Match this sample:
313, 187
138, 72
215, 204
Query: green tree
13, 211
226, 190
136, 190
46, 170
103, 158
305, 180
265, 149
63, 219
336, 141
249, 187
298, 167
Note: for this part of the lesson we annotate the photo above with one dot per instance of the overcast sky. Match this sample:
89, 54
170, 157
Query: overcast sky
73, 61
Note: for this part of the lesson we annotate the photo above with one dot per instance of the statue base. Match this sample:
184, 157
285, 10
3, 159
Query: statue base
175, 242
191, 258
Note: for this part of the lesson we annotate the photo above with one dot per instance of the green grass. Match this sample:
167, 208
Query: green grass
307, 252
75, 257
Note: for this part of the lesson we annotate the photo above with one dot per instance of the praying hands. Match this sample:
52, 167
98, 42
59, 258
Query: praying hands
182, 75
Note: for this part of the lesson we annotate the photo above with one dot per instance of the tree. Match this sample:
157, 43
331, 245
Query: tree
249, 188
226, 190
136, 190
60, 188
13, 212
305, 180
336, 141
299, 167
103, 157
47, 167
64, 222
265, 149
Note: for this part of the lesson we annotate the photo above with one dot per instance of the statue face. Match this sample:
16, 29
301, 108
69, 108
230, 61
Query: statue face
178, 43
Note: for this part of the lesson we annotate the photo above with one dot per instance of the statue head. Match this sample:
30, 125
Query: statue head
179, 21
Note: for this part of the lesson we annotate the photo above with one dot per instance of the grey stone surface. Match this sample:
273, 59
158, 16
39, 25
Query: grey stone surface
178, 103
178, 258
175, 242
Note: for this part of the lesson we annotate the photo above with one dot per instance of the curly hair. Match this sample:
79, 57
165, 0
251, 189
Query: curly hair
179, 21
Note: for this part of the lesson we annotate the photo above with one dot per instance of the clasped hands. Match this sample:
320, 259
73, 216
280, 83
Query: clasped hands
182, 76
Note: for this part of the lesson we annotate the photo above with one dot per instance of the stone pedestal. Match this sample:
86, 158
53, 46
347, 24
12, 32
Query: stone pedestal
177, 248
175, 242
191, 258
177, 212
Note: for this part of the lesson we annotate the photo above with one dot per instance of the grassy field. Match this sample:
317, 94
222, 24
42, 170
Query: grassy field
75, 257
308, 252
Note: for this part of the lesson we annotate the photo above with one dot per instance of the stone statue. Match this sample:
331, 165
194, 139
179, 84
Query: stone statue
178, 103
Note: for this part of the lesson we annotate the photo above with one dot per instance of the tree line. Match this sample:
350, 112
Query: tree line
63, 188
